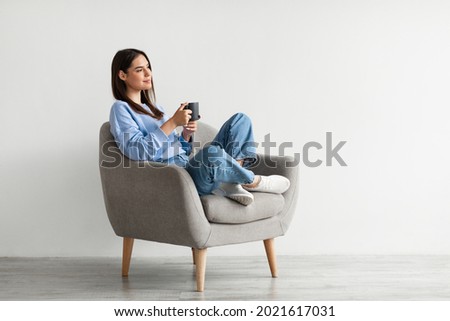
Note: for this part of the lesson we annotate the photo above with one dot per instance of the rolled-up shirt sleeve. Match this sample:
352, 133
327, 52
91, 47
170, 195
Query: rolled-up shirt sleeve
132, 142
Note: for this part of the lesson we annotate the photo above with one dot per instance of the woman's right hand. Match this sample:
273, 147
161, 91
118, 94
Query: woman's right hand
182, 116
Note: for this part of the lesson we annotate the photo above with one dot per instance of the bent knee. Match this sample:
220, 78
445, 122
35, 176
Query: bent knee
240, 118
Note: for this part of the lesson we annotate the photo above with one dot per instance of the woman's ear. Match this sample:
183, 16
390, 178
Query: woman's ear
122, 75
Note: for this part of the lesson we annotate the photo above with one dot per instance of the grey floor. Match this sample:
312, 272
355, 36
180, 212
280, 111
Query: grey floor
300, 278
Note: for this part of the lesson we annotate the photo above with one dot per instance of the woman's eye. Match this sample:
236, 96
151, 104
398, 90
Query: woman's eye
138, 70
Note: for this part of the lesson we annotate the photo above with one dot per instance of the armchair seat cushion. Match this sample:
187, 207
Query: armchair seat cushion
219, 209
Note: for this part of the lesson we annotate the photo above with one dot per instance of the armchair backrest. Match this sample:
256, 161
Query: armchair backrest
204, 134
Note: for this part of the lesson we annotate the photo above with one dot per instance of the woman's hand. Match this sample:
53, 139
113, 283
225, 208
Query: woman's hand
189, 129
182, 116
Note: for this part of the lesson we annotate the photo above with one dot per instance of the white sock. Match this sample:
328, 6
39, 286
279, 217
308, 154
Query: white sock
234, 192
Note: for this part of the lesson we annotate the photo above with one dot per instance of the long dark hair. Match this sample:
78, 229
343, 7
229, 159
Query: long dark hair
122, 61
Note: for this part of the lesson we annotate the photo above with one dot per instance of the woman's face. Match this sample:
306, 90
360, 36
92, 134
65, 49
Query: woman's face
139, 76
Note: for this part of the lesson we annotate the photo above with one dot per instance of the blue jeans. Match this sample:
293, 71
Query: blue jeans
217, 163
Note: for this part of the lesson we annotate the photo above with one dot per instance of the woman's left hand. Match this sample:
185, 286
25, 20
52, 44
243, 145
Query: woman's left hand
189, 129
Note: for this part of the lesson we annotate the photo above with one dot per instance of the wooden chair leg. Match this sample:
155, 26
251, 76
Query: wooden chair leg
126, 256
269, 245
193, 256
200, 260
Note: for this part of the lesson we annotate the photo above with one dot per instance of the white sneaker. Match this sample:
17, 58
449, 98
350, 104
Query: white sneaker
271, 184
234, 192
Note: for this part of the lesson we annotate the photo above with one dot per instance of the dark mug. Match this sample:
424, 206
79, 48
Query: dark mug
194, 107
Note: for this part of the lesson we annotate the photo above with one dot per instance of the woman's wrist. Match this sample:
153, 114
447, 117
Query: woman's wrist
169, 126
186, 136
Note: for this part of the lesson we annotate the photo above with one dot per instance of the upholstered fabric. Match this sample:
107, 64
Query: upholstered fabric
224, 234
219, 209
204, 135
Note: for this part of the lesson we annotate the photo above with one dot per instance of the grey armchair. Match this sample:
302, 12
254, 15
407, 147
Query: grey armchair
155, 202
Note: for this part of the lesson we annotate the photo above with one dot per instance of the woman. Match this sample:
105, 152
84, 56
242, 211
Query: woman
143, 131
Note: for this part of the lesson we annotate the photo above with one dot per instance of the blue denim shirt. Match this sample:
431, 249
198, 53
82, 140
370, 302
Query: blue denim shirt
140, 137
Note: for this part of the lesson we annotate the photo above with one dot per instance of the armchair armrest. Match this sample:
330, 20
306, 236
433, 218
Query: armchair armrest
276, 165
287, 167
155, 202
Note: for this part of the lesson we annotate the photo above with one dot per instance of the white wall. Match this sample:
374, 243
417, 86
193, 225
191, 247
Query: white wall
374, 73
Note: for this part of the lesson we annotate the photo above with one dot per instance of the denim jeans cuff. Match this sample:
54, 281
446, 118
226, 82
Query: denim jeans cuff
249, 162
